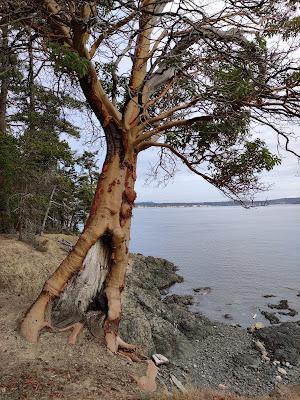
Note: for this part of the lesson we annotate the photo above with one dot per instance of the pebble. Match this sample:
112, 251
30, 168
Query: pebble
265, 358
276, 362
287, 364
278, 378
159, 359
177, 383
222, 386
253, 328
282, 371
259, 325
260, 347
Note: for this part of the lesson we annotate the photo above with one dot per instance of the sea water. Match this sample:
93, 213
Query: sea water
241, 254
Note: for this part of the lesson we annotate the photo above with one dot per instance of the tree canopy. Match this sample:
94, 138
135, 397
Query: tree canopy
189, 78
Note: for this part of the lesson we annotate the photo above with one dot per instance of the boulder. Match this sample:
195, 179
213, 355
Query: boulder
282, 341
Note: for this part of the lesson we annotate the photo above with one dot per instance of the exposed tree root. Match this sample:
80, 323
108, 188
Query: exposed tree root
76, 329
34, 320
114, 343
130, 351
148, 382
132, 356
125, 346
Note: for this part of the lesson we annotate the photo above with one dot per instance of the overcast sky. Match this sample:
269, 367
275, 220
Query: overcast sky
188, 187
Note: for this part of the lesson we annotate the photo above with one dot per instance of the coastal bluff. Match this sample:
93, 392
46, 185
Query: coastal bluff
201, 353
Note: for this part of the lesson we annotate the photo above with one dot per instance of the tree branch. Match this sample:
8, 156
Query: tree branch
52, 7
171, 124
180, 156
141, 55
109, 32
170, 112
188, 38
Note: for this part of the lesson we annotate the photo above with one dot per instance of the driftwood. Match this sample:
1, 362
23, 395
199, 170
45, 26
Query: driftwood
84, 292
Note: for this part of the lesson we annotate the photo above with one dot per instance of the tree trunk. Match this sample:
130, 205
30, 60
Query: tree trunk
93, 273
47, 210
85, 290
4, 79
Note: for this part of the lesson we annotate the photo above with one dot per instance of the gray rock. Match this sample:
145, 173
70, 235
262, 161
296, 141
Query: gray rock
166, 325
282, 341
282, 371
180, 300
291, 312
271, 317
247, 361
203, 290
282, 305
227, 316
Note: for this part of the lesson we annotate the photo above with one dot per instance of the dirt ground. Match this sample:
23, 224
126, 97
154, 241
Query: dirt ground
52, 369
55, 370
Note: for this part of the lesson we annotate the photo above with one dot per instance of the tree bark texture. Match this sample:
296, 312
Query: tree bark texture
85, 290
96, 266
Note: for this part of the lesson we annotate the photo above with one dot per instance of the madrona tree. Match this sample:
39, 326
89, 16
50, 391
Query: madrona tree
190, 78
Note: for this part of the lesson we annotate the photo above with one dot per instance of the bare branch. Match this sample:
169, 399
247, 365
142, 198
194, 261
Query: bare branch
181, 122
180, 156
112, 29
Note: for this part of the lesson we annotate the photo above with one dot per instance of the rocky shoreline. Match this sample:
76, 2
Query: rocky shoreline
203, 353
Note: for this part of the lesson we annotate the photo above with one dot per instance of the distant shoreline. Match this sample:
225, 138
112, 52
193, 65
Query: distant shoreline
256, 203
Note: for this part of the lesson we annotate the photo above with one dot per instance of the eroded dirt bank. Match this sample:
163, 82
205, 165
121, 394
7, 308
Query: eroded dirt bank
201, 353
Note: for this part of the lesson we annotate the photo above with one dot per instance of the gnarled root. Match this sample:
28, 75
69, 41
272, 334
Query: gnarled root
148, 382
34, 320
76, 329
114, 343
125, 346
117, 346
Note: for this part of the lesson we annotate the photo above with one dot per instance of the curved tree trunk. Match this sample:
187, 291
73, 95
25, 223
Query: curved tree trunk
93, 273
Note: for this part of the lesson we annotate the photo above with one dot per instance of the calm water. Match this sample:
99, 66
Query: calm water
241, 254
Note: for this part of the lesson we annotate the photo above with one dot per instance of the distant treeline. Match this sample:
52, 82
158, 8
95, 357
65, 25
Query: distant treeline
292, 200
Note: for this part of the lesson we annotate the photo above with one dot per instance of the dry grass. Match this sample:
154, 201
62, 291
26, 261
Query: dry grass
24, 268
282, 393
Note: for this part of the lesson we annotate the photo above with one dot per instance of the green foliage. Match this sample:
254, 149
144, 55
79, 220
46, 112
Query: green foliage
292, 27
86, 182
221, 132
35, 159
9, 160
236, 168
261, 41
223, 147
233, 84
67, 60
